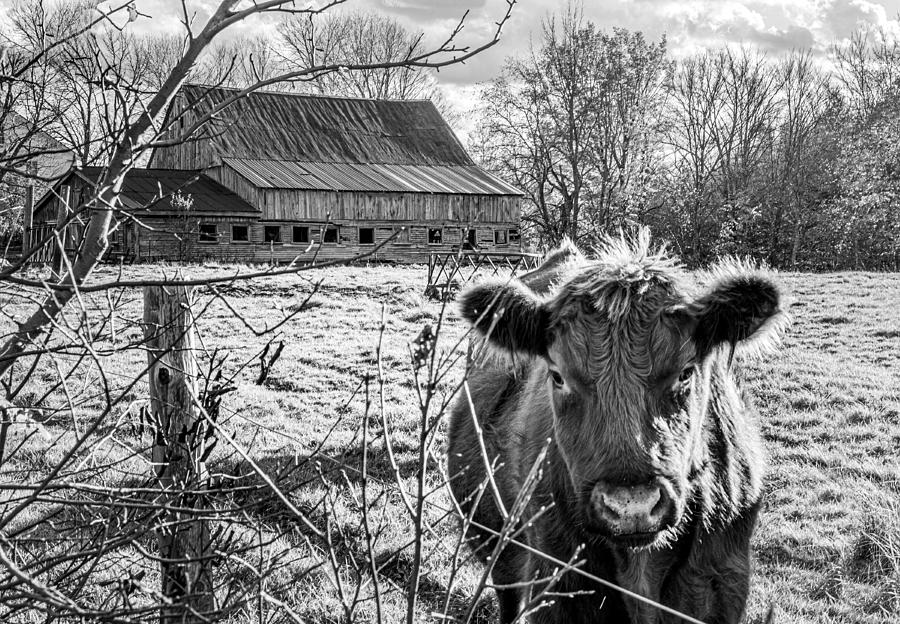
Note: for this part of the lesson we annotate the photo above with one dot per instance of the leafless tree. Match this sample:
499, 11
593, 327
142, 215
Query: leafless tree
75, 70
240, 62
358, 38
740, 153
695, 93
867, 69
803, 151
570, 124
153, 56
749, 108
723, 119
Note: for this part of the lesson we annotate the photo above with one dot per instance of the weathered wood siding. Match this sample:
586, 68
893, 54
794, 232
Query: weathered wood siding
45, 218
161, 242
355, 206
175, 238
197, 153
245, 190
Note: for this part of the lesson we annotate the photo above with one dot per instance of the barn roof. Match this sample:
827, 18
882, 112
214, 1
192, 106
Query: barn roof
385, 178
290, 126
150, 192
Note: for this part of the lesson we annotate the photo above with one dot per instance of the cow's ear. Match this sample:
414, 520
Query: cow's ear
508, 315
742, 306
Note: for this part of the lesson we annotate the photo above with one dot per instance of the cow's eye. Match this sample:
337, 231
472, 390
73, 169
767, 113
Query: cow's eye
686, 373
557, 378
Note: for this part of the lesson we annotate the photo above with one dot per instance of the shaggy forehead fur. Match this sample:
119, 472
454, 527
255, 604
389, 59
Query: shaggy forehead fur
612, 305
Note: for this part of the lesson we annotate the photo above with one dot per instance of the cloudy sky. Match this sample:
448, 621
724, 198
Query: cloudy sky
773, 25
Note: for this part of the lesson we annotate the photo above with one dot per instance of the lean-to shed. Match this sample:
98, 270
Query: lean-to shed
163, 214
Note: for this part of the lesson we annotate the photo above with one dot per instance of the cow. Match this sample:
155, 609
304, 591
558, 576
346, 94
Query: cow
619, 370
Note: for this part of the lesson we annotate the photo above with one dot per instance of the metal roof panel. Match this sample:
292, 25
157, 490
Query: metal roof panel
385, 178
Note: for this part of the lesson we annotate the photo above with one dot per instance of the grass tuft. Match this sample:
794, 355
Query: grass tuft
833, 320
876, 551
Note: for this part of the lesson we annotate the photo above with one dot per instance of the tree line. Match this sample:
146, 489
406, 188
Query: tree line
792, 159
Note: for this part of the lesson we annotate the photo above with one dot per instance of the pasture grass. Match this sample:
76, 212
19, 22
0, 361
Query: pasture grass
827, 548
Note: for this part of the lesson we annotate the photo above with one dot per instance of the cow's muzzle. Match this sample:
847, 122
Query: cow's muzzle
634, 514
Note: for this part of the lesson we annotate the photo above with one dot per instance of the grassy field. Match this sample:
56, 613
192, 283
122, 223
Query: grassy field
828, 545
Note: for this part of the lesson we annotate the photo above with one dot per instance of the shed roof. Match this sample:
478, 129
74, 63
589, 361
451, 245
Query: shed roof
386, 178
150, 192
291, 126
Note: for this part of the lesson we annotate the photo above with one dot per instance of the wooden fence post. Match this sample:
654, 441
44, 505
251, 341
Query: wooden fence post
58, 248
27, 218
184, 539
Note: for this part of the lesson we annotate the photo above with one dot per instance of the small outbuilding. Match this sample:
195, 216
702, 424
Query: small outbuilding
165, 214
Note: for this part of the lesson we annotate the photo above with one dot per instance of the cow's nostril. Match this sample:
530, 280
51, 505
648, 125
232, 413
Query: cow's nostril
661, 506
610, 506
654, 499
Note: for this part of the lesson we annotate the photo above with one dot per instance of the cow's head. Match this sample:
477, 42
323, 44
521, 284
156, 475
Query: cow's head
625, 351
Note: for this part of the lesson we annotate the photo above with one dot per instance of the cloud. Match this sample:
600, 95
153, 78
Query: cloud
769, 26
429, 9
840, 18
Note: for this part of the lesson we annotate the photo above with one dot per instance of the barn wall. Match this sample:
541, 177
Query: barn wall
198, 153
290, 205
494, 217
170, 239
45, 216
411, 245
384, 213
317, 205
237, 184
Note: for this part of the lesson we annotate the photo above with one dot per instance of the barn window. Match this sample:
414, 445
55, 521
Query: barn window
435, 236
500, 237
330, 235
300, 234
240, 234
514, 237
272, 234
402, 234
366, 236
208, 233
471, 239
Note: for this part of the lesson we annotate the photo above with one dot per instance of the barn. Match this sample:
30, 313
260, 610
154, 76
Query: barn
282, 176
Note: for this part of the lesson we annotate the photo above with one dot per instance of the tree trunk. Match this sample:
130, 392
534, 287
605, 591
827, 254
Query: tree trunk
178, 451
775, 235
795, 246
63, 210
